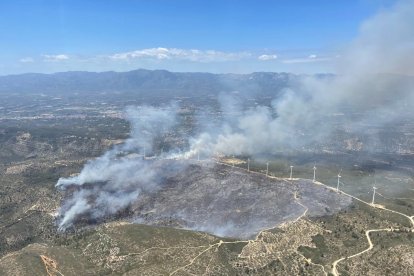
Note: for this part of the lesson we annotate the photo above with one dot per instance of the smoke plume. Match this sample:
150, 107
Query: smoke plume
374, 87
110, 183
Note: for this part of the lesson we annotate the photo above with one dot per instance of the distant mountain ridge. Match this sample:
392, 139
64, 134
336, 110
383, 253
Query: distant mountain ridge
145, 81
156, 84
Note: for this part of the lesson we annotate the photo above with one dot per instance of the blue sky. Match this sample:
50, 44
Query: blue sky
179, 35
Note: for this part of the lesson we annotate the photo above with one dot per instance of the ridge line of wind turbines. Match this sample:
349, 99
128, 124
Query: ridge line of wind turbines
314, 177
339, 182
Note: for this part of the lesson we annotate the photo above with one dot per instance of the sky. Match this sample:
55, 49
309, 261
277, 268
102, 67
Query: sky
219, 36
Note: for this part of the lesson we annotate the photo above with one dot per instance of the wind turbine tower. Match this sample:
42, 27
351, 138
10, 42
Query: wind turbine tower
314, 173
267, 168
248, 164
291, 172
373, 195
339, 177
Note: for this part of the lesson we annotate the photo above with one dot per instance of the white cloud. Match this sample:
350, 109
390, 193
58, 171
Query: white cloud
308, 59
181, 54
54, 58
267, 57
26, 60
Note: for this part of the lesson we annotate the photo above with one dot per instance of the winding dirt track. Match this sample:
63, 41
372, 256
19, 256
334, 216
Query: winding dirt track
218, 244
371, 245
334, 270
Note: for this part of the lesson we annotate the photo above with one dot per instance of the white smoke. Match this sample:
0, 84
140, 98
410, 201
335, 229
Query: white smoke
111, 182
385, 44
375, 81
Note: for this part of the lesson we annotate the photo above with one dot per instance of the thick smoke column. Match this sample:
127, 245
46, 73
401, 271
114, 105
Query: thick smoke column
114, 180
375, 80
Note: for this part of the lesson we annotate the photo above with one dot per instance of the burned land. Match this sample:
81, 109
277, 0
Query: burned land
219, 215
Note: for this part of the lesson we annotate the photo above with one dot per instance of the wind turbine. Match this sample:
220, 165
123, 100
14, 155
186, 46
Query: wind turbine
267, 168
314, 172
339, 177
291, 172
373, 195
374, 188
248, 164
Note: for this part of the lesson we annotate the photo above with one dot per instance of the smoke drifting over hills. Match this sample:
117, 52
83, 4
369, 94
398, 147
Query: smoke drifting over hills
368, 85
111, 182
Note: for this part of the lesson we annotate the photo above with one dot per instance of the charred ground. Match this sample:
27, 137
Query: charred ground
36, 151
